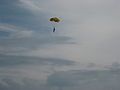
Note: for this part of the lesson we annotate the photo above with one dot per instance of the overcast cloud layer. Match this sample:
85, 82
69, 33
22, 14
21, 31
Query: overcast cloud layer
83, 53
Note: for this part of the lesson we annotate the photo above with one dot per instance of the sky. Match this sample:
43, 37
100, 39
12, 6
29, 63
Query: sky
83, 53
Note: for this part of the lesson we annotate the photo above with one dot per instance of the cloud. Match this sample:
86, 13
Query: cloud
20, 39
6, 2
29, 4
15, 32
93, 25
32, 57
114, 66
14, 13
17, 78
23, 30
28, 72
11, 60
85, 80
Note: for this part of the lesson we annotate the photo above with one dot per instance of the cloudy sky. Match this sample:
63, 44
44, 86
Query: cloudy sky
82, 53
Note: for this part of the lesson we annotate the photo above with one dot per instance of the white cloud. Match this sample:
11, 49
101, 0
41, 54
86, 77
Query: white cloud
22, 34
15, 31
7, 27
30, 5
93, 24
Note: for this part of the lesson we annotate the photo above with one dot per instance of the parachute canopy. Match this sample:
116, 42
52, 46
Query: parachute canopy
55, 19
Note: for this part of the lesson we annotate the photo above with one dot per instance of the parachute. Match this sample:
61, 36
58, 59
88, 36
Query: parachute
54, 21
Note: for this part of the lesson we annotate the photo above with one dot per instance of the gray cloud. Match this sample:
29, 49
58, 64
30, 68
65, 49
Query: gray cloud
85, 80
25, 30
10, 60
65, 80
28, 73
8, 2
113, 66
20, 39
13, 12
25, 43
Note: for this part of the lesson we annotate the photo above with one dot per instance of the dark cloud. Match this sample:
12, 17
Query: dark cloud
85, 80
65, 80
17, 72
32, 43
91, 65
16, 14
4, 2
35, 41
9, 60
13, 12
27, 84
114, 66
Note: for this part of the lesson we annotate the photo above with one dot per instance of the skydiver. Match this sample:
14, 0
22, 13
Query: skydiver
54, 29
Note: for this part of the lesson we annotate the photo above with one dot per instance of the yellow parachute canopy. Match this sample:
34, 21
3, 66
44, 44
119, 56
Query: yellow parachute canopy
55, 19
